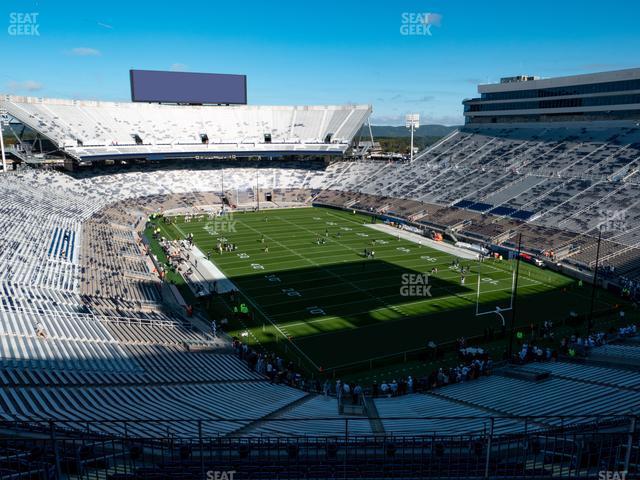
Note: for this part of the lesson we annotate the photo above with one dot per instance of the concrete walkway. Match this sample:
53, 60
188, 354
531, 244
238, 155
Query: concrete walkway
427, 242
205, 273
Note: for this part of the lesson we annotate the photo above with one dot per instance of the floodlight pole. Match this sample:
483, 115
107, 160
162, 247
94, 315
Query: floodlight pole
2, 122
222, 187
411, 158
258, 188
412, 121
595, 282
4, 160
515, 296
370, 131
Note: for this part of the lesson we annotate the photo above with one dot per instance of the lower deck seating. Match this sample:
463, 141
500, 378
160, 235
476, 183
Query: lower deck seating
556, 396
426, 414
225, 407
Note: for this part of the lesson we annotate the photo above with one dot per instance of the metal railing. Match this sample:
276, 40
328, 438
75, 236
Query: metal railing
545, 446
95, 318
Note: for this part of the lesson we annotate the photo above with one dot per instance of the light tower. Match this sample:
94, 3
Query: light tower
4, 120
412, 121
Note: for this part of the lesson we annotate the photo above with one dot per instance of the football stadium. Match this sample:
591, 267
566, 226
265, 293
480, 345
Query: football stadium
197, 286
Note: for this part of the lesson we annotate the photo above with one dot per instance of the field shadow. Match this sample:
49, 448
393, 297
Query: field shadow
349, 289
350, 311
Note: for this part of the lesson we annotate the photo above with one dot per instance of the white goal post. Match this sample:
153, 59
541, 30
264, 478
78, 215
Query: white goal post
497, 310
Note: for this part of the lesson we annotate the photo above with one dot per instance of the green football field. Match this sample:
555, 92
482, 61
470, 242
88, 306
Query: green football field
335, 307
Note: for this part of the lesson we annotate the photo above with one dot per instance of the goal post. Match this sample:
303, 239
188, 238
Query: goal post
492, 279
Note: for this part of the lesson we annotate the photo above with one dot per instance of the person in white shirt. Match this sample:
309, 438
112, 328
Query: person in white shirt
384, 388
40, 330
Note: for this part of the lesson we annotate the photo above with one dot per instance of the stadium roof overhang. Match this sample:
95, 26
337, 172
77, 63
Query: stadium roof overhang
210, 151
71, 146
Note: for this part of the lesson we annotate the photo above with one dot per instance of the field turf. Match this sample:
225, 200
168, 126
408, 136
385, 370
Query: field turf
337, 307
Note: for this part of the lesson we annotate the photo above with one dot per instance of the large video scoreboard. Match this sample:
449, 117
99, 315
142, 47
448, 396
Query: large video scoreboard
189, 88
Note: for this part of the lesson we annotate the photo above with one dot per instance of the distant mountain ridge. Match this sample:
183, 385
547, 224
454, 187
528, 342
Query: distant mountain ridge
396, 132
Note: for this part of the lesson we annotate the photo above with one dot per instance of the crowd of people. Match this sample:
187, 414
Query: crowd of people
534, 344
274, 367
479, 365
534, 353
534, 350
628, 331
571, 346
630, 288
474, 363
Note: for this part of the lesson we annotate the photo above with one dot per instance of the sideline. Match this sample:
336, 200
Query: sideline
419, 239
209, 272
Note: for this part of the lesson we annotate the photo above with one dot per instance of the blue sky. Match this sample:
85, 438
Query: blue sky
323, 52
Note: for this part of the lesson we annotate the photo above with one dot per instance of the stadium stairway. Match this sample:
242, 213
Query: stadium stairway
377, 427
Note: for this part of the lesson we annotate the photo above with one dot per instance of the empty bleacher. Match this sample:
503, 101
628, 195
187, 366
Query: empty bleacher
91, 128
73, 261
553, 185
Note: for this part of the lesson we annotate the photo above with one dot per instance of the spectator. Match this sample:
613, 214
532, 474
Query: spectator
394, 388
357, 392
40, 331
384, 389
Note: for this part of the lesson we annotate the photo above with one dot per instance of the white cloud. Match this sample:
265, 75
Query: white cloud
446, 119
28, 85
401, 97
397, 120
105, 25
422, 99
392, 120
85, 52
435, 19
178, 67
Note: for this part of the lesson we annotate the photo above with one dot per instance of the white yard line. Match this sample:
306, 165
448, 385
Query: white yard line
268, 318
317, 264
414, 238
472, 280
427, 300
